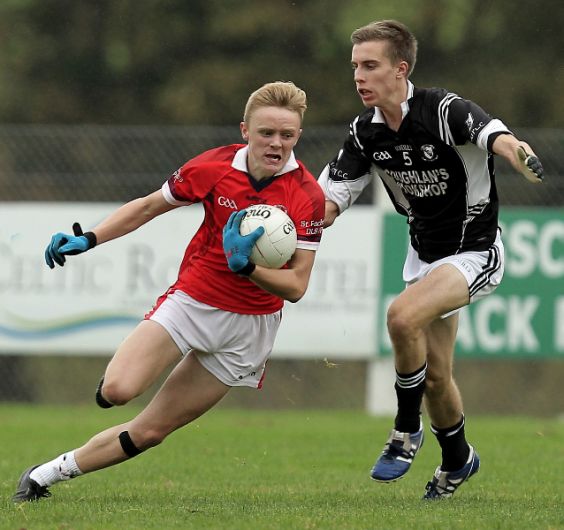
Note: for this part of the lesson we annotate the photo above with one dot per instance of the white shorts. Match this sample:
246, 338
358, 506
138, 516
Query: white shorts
483, 270
232, 346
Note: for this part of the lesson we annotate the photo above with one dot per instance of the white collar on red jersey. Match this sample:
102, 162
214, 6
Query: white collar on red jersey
240, 162
379, 117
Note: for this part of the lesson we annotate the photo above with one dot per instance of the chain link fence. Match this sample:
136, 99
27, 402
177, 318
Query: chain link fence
108, 163
117, 164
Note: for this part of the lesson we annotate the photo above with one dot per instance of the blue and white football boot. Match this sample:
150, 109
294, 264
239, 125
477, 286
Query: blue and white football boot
397, 456
445, 483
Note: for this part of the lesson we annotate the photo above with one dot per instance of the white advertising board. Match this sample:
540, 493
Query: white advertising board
89, 305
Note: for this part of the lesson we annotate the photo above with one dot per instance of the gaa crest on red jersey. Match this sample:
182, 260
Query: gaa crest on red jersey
227, 202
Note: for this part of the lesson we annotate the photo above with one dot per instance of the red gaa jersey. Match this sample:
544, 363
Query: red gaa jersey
219, 179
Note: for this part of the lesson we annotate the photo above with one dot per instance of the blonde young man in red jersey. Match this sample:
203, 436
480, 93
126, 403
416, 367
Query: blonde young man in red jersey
219, 320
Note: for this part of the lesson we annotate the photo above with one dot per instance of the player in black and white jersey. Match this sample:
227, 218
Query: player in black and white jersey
434, 152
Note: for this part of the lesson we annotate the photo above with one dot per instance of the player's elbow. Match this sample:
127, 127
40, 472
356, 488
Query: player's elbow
294, 299
331, 213
296, 294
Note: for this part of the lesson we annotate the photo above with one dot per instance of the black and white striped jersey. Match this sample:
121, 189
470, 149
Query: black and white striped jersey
437, 169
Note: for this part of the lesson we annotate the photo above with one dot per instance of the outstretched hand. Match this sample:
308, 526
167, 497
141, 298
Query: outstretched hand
530, 165
62, 245
238, 248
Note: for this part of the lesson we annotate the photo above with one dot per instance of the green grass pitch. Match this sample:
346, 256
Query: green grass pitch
304, 469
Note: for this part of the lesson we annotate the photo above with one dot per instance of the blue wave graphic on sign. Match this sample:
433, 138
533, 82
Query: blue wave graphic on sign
27, 329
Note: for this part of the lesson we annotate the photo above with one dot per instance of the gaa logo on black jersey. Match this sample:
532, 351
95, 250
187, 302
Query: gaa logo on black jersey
380, 156
428, 153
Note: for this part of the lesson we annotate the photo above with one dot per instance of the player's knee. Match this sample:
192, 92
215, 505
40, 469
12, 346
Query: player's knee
143, 441
437, 383
151, 437
116, 392
400, 324
100, 399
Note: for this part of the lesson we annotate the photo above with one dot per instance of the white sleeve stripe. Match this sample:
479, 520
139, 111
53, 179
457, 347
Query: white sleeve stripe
492, 127
355, 134
167, 194
444, 129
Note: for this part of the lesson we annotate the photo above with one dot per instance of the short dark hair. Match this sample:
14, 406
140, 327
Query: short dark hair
402, 43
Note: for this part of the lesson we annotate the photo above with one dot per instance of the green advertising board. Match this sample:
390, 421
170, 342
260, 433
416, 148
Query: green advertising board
524, 317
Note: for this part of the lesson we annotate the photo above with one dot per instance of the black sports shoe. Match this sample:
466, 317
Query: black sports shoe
28, 489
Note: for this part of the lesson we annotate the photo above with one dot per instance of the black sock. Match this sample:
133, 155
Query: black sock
454, 446
409, 390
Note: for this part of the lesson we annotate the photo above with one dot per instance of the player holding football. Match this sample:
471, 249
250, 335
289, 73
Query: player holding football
434, 152
219, 320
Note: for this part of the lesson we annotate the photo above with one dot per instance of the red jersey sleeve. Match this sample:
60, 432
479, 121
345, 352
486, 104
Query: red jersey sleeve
308, 211
194, 180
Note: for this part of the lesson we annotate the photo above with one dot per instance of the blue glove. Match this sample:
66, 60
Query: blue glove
62, 245
238, 248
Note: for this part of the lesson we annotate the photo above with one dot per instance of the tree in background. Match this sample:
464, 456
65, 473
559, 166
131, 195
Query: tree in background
193, 62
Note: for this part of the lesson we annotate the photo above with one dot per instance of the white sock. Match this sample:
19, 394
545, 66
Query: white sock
61, 468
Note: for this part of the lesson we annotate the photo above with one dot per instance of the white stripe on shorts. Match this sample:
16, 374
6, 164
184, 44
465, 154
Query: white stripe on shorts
492, 266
